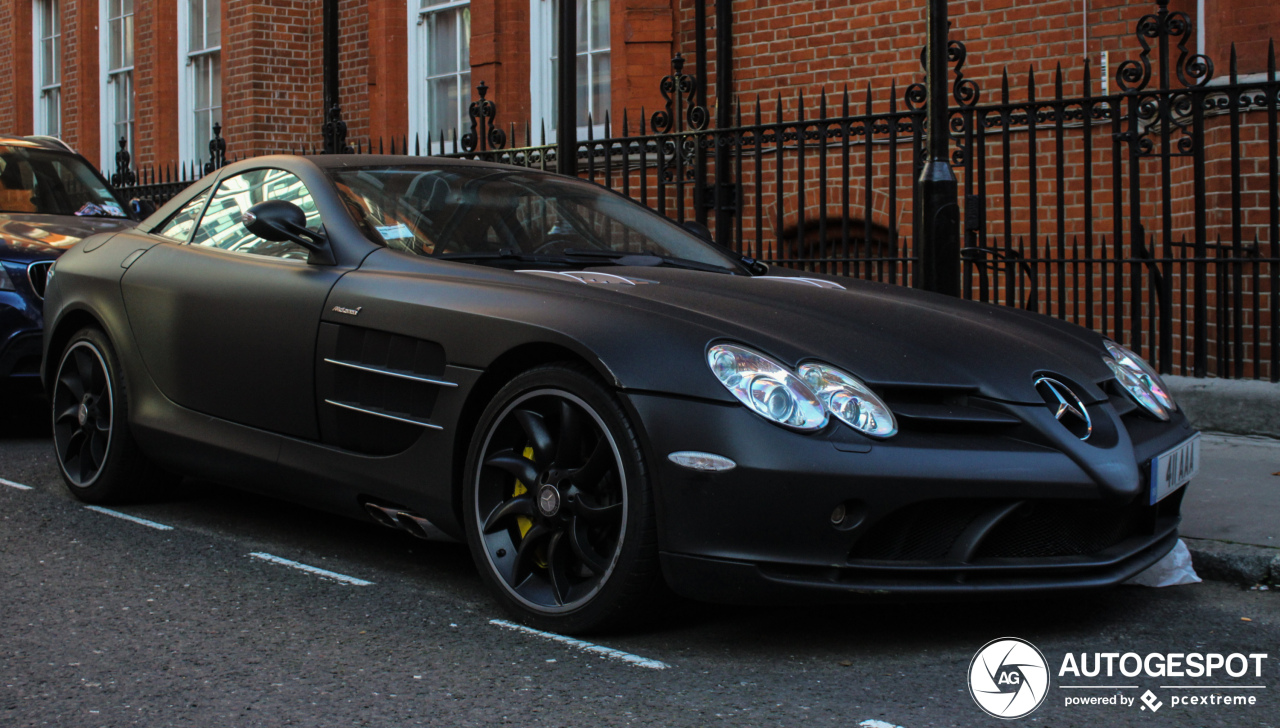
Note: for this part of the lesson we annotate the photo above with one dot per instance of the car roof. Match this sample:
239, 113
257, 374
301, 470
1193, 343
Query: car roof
36, 142
330, 161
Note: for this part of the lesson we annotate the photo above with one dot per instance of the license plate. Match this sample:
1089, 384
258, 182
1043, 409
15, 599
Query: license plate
1172, 469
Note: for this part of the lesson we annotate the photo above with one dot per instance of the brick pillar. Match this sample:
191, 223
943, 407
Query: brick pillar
271, 76
155, 81
354, 43
80, 91
640, 35
16, 92
500, 58
388, 72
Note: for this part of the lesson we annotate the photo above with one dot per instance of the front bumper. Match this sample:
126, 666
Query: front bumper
20, 339
935, 511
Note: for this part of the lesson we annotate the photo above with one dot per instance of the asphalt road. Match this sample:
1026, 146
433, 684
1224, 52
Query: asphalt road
111, 622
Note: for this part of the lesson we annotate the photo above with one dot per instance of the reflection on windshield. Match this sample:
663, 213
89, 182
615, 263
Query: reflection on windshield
451, 211
45, 182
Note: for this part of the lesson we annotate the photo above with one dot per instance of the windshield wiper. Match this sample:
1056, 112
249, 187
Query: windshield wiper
646, 259
587, 257
500, 255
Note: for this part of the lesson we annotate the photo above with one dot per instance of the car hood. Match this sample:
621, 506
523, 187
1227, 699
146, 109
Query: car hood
33, 237
888, 335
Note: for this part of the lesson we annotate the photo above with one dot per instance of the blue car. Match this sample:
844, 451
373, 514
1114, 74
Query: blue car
50, 198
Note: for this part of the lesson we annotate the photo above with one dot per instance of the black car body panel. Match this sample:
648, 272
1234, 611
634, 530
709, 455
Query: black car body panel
272, 374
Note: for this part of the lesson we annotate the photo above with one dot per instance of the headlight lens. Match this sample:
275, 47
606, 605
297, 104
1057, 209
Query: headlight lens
1141, 381
766, 387
850, 400
6, 284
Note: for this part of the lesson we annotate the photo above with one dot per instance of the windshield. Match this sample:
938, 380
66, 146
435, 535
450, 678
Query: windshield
45, 182
480, 212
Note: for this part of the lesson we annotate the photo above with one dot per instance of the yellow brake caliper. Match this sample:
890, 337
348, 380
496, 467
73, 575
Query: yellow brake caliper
524, 522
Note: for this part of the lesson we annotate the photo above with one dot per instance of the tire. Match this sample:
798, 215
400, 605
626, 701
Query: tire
96, 453
558, 506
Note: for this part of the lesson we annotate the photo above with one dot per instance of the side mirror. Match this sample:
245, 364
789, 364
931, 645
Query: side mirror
698, 229
141, 208
283, 221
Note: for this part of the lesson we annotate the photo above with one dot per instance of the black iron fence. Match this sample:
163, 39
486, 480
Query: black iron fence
1150, 214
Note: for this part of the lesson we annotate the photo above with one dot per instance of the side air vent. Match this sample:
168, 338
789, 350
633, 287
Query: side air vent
38, 276
378, 390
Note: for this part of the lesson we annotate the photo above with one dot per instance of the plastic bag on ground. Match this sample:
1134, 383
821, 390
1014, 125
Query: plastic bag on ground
1173, 570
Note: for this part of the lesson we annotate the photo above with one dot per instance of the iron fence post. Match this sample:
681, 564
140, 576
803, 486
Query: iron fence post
329, 61
937, 191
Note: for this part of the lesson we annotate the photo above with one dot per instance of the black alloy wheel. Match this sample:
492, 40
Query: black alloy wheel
83, 405
95, 450
560, 517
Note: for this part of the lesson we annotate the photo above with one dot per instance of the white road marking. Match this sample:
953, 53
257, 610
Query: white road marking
871, 723
627, 657
322, 573
127, 517
12, 484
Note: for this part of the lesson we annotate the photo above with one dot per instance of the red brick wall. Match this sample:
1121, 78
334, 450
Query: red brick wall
15, 67
271, 91
641, 50
388, 72
781, 46
80, 85
155, 78
354, 50
500, 59
1249, 24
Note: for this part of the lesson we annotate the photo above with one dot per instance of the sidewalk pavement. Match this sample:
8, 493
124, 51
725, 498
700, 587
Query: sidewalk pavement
1231, 512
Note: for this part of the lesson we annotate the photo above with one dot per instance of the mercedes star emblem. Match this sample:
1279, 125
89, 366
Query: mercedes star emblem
548, 500
1066, 406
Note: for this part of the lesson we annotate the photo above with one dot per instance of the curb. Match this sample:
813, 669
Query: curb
1238, 406
1235, 563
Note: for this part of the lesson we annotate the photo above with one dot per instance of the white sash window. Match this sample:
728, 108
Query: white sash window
592, 58
116, 58
439, 70
47, 24
200, 77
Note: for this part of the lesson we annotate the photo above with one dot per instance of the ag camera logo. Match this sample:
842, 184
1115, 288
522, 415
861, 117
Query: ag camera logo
1009, 678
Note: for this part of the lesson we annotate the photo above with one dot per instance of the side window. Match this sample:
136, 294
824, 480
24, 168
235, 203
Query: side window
178, 227
221, 228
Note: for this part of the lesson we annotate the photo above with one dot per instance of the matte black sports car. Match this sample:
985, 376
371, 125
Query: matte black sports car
599, 402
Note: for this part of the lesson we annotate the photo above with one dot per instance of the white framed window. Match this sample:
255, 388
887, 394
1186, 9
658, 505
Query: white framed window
593, 61
200, 74
115, 50
439, 70
47, 24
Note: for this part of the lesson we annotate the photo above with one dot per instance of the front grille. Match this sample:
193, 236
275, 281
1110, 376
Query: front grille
1042, 529
38, 276
919, 532
929, 530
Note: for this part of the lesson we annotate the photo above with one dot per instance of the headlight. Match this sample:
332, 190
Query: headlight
6, 284
766, 387
850, 400
1140, 380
